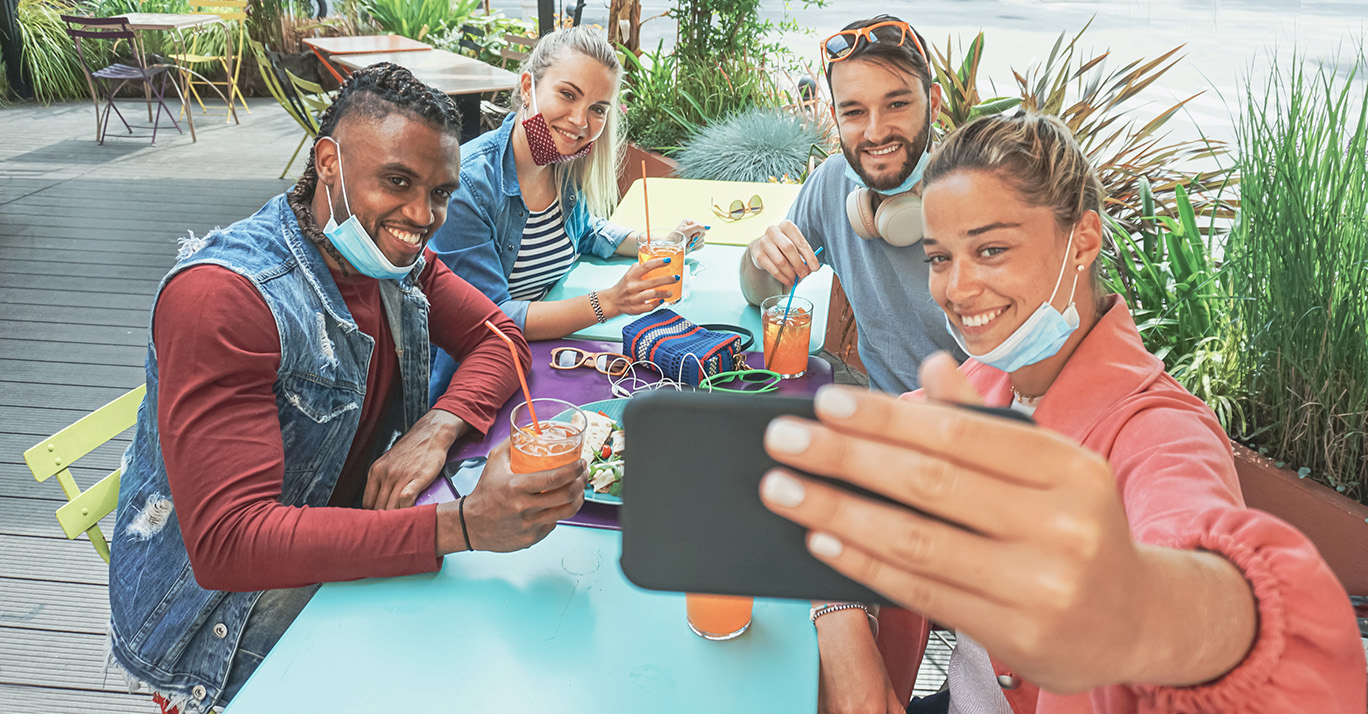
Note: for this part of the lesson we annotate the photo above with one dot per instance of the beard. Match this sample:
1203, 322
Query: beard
915, 149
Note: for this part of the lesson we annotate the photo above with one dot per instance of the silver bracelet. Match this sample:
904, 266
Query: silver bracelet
828, 608
594, 303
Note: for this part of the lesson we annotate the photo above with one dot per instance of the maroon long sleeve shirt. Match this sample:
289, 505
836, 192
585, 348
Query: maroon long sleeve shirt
218, 353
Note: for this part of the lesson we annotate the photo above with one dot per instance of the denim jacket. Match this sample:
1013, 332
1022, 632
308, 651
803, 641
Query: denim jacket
484, 229
165, 630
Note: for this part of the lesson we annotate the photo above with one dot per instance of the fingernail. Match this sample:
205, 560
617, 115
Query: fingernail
787, 436
707, 228
835, 402
782, 489
677, 278
825, 545
667, 261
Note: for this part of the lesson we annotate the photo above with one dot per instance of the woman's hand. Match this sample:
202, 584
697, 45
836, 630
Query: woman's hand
853, 680
635, 293
694, 232
1018, 536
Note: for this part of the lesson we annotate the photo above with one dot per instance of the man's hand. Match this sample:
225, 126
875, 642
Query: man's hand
784, 253
853, 680
1019, 537
635, 294
397, 477
508, 511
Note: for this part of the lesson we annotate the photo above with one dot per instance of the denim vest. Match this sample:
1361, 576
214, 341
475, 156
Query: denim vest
484, 230
165, 630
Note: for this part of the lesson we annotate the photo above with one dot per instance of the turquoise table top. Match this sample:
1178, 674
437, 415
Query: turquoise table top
554, 628
712, 293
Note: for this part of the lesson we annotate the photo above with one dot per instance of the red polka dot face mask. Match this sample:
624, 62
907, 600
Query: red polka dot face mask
539, 138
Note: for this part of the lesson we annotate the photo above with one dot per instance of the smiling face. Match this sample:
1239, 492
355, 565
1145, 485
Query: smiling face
400, 171
995, 258
574, 96
884, 117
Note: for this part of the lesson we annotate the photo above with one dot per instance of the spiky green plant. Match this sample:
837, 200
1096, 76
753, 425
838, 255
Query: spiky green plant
416, 19
1299, 257
49, 55
1181, 301
758, 144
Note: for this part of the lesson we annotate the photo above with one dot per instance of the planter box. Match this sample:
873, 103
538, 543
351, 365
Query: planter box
657, 166
1336, 524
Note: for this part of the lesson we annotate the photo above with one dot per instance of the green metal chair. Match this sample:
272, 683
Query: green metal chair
54, 456
303, 100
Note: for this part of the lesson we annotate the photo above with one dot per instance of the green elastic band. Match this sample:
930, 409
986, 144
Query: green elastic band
768, 379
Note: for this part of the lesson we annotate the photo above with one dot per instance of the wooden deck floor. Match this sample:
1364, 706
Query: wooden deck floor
86, 233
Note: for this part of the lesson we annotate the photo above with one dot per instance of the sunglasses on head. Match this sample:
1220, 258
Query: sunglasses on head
840, 45
739, 209
609, 363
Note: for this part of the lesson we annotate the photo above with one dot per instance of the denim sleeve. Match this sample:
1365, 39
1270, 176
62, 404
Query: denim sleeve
466, 244
599, 236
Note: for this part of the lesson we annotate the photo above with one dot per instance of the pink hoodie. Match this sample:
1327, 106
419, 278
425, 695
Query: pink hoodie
1176, 475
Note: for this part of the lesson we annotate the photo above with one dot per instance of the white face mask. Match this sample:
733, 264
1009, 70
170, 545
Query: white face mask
1039, 338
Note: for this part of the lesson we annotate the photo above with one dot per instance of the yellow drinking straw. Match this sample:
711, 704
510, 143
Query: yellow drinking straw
536, 425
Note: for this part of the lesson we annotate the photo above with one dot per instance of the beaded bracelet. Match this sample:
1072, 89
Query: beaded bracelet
594, 303
829, 608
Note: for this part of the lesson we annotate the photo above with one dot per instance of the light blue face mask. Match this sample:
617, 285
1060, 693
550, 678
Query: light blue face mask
352, 240
912, 179
1039, 338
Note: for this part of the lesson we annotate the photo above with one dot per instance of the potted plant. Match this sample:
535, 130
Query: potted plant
1299, 334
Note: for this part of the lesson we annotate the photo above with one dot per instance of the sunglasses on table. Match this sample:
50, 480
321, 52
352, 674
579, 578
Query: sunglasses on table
609, 363
740, 209
840, 45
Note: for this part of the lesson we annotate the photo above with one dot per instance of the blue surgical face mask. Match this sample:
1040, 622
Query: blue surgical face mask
1038, 338
352, 240
912, 179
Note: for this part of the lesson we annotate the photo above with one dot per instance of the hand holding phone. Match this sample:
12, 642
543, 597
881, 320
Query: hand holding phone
1041, 543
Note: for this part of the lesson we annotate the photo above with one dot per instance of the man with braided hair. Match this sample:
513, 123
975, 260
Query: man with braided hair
286, 431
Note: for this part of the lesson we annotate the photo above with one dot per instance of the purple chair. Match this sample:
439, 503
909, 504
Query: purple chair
105, 83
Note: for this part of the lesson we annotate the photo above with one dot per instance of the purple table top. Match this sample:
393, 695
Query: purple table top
581, 386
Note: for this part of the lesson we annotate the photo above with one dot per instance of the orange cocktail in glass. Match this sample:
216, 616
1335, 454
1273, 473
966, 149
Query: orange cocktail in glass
671, 245
558, 444
786, 336
718, 617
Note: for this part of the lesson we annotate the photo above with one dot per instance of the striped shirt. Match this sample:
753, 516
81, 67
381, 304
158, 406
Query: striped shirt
546, 254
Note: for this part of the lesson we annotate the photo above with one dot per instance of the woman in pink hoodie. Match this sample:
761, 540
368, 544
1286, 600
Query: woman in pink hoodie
1102, 560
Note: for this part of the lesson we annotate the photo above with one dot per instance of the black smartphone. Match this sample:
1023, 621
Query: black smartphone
692, 519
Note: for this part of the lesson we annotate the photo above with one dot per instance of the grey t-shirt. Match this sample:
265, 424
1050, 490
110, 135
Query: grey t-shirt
899, 323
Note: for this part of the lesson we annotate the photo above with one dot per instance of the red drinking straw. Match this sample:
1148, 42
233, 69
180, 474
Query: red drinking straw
646, 199
536, 425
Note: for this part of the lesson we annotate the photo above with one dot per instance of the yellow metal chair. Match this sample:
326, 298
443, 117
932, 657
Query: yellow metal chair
233, 14
303, 100
54, 455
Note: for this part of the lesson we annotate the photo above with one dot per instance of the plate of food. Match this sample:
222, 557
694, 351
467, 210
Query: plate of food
603, 449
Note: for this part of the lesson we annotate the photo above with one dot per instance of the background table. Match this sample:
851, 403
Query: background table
460, 77
360, 44
712, 292
554, 628
176, 23
673, 200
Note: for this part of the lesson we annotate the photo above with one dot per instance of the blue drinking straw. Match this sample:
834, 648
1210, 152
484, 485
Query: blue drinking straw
783, 321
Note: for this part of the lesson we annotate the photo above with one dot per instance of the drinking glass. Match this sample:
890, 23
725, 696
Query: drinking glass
786, 335
671, 245
558, 443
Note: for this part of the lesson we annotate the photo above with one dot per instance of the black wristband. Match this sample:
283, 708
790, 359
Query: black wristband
460, 508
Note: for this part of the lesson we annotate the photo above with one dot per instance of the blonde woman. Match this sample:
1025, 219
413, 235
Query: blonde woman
534, 193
